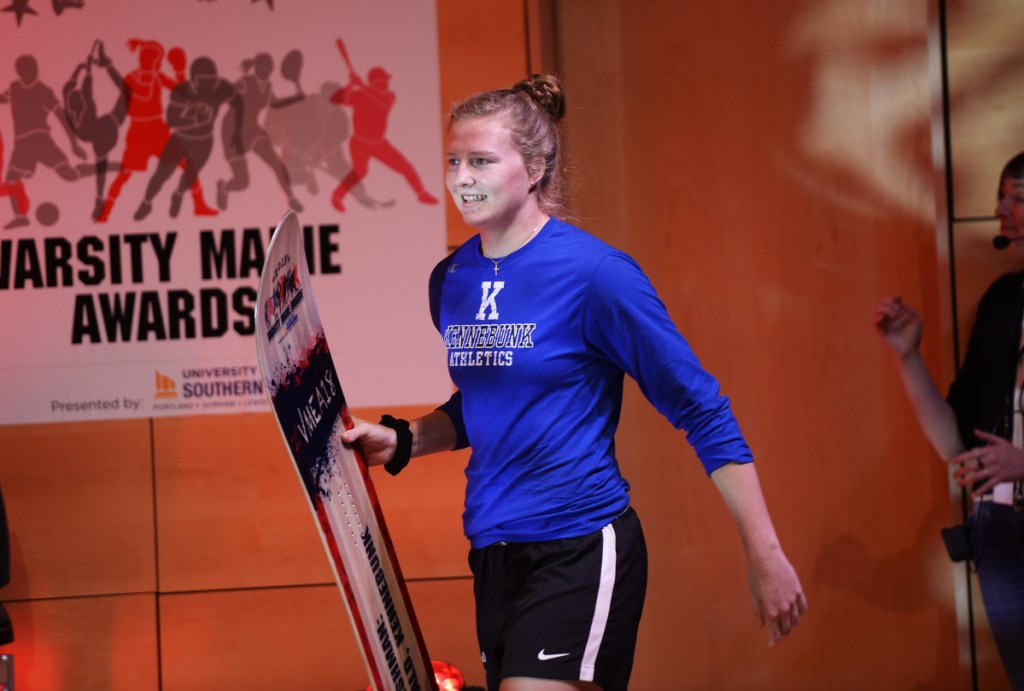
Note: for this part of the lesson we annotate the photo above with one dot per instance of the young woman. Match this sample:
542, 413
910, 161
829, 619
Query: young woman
978, 428
541, 321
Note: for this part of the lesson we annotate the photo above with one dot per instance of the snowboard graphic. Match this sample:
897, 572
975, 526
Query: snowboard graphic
307, 399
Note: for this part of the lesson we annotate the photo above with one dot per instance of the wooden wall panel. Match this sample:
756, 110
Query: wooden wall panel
295, 637
85, 644
232, 513
985, 87
79, 500
770, 167
480, 50
446, 614
258, 639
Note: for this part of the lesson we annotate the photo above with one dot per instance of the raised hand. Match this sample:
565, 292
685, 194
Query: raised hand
899, 324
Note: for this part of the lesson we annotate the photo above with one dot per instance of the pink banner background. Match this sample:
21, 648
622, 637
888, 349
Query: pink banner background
63, 273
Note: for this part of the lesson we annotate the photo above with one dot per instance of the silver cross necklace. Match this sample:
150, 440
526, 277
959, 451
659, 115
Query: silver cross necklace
499, 260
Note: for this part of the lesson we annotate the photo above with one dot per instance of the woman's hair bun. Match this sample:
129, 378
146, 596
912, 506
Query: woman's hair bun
546, 91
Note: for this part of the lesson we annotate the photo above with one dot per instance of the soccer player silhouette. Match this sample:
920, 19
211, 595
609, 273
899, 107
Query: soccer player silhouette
191, 114
255, 90
147, 130
371, 102
32, 102
86, 123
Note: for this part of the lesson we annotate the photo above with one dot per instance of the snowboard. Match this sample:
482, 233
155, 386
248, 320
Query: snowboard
305, 393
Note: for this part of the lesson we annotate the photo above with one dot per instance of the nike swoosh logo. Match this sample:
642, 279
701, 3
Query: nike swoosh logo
550, 656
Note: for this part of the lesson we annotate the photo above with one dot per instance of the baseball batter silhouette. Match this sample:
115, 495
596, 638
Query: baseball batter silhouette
371, 102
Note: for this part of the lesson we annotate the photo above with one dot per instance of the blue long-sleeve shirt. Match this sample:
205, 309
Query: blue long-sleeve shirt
538, 351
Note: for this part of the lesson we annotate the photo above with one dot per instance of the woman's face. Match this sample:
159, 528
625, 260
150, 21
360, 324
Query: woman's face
1010, 208
486, 175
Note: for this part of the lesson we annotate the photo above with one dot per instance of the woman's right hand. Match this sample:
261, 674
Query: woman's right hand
376, 443
899, 324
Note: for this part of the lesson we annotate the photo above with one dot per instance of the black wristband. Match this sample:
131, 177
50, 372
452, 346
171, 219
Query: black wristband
403, 448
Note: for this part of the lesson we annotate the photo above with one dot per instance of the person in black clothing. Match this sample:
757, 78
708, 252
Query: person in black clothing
979, 428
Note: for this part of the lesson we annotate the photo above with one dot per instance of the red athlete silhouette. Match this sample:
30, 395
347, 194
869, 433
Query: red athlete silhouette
371, 105
191, 115
15, 189
147, 130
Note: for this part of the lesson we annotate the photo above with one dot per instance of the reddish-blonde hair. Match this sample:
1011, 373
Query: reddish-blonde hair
530, 110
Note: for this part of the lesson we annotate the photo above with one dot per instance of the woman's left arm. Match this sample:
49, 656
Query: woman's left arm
775, 589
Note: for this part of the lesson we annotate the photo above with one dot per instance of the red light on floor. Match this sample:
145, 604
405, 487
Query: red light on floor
447, 676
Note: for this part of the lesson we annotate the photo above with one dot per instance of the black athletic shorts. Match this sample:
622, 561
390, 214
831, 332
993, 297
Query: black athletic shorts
562, 609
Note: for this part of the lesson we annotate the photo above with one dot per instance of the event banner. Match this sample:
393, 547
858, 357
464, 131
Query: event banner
149, 149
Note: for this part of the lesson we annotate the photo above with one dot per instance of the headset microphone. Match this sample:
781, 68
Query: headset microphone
1001, 242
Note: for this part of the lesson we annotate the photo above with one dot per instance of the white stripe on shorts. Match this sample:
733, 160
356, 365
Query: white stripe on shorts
603, 605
